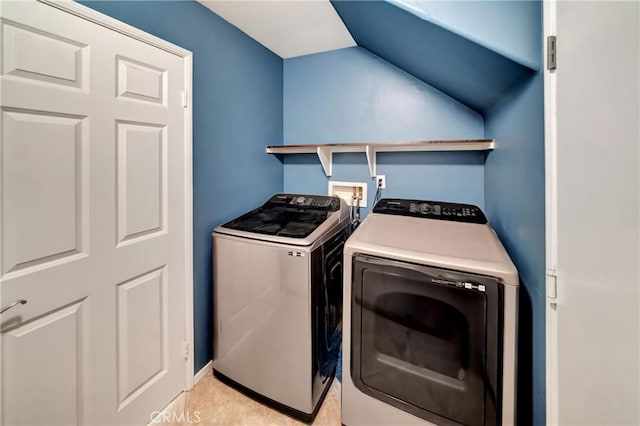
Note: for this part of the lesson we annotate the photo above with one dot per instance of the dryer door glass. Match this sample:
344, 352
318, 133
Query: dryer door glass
421, 337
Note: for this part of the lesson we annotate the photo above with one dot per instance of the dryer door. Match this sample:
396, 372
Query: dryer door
427, 340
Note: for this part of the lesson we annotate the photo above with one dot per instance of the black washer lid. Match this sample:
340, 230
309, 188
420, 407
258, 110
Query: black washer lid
431, 210
287, 215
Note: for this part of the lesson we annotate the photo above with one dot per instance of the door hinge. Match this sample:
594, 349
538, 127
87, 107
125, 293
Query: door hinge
187, 350
552, 284
184, 98
551, 53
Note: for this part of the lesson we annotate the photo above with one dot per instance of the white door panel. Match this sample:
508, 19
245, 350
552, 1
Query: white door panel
141, 181
594, 322
93, 222
60, 382
38, 56
142, 333
44, 187
141, 81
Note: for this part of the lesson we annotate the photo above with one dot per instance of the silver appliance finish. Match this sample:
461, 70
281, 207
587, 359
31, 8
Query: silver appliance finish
465, 247
262, 304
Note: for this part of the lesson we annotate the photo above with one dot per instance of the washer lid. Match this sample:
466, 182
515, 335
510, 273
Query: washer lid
446, 244
289, 219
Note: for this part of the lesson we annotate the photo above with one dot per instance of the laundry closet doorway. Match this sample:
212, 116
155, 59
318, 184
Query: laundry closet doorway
96, 215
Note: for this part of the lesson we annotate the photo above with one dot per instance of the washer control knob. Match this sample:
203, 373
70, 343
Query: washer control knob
424, 208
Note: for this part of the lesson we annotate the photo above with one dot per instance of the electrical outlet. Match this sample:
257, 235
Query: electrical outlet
381, 181
347, 191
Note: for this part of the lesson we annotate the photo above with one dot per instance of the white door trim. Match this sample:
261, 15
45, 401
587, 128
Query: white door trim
551, 231
113, 24
204, 372
85, 12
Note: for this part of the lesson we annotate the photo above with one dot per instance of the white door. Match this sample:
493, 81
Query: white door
594, 216
93, 221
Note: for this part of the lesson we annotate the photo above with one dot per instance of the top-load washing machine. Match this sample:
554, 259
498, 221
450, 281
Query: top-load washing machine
430, 319
278, 300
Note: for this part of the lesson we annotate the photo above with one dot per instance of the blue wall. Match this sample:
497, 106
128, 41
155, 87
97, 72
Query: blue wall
507, 27
515, 205
351, 95
237, 112
469, 71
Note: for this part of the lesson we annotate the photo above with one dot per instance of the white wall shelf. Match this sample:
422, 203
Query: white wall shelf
325, 151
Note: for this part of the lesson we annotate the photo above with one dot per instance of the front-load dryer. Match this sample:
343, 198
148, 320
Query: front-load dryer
430, 313
278, 300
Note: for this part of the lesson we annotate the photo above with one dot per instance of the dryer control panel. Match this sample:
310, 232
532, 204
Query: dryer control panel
431, 210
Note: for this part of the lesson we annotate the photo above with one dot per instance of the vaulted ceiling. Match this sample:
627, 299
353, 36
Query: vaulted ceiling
287, 28
474, 51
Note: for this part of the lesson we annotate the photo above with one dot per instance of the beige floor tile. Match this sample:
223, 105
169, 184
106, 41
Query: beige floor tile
329, 414
215, 404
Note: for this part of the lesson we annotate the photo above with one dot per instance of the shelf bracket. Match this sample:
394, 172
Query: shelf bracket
326, 159
325, 151
371, 159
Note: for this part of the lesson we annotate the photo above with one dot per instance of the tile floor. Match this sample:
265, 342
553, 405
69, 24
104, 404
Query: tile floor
211, 402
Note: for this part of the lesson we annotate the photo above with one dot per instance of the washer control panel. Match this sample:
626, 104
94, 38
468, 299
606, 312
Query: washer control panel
431, 210
307, 201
